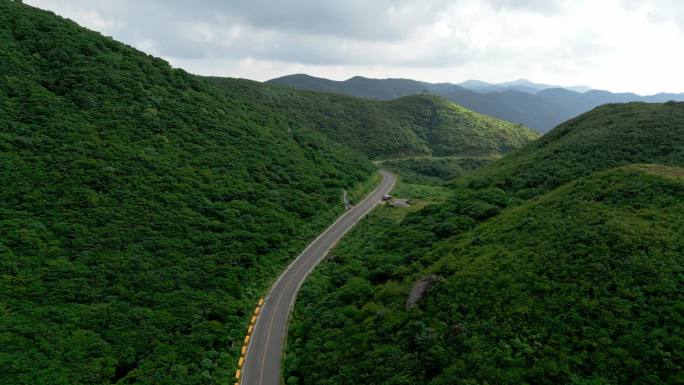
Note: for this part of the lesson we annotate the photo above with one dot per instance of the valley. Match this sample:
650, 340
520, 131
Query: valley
389, 231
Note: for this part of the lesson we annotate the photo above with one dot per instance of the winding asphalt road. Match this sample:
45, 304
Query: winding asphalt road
262, 361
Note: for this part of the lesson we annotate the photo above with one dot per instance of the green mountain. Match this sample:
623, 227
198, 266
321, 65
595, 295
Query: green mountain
608, 136
359, 86
142, 209
541, 107
580, 286
418, 125
570, 273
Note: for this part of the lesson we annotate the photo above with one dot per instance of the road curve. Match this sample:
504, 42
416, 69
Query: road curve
262, 361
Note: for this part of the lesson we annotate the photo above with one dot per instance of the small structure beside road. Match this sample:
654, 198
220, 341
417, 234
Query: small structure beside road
399, 202
395, 202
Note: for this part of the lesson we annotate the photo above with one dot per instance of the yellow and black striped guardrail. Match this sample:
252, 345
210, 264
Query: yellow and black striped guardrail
245, 344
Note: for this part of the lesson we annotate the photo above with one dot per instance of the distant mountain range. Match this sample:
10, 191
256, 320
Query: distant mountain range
522, 85
539, 106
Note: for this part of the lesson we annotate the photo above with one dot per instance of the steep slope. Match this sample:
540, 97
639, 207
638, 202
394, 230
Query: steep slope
608, 136
543, 110
409, 126
450, 129
142, 209
580, 286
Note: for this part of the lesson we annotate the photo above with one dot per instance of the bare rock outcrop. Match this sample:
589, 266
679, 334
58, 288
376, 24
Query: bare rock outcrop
419, 290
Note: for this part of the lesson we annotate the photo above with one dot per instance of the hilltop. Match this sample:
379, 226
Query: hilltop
608, 136
359, 86
417, 125
539, 106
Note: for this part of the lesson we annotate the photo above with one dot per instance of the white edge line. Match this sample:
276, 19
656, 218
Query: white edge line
325, 254
268, 294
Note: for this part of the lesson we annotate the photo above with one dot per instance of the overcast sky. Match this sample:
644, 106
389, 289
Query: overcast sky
619, 45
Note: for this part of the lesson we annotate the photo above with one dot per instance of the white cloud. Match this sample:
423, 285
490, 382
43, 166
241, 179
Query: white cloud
621, 45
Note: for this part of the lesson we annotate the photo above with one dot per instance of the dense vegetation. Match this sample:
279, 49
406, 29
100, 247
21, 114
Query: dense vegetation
581, 284
408, 126
609, 136
435, 170
142, 209
541, 110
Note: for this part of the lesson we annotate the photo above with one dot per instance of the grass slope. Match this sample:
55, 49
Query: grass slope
409, 126
142, 209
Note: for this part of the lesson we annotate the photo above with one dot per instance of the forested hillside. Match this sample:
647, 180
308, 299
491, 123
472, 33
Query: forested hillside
579, 284
417, 125
608, 136
142, 210
541, 110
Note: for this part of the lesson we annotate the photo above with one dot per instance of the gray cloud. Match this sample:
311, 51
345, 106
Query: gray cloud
539, 6
302, 31
660, 10
547, 39
352, 19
